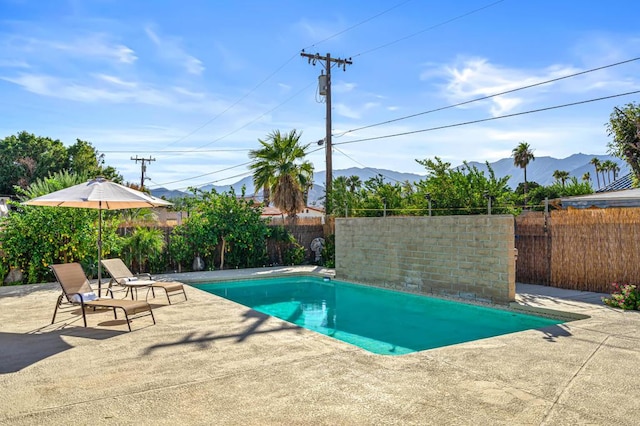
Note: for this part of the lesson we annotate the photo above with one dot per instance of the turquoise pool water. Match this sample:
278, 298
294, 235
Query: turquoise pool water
378, 320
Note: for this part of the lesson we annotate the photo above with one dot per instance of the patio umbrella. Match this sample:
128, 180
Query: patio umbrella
101, 194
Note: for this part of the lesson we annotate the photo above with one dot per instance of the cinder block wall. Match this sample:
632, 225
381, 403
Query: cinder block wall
470, 257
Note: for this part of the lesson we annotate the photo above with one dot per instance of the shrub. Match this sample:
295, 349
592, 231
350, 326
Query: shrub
294, 255
329, 251
625, 296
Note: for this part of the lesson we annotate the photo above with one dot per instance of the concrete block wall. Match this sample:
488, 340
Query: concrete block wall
469, 257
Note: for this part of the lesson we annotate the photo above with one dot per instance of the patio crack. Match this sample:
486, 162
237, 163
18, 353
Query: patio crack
571, 380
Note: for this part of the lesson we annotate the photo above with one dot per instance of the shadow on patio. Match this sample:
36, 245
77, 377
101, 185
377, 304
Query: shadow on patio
20, 350
202, 341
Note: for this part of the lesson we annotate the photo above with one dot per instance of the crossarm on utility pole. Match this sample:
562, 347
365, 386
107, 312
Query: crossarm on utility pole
328, 61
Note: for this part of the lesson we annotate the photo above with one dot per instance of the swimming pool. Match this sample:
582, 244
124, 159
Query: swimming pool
380, 321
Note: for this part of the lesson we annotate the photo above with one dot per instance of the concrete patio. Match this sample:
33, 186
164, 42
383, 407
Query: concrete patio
211, 361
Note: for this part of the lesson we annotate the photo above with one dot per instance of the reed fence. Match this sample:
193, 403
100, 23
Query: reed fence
580, 249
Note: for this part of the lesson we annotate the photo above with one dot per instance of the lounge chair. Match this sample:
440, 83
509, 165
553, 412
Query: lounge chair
77, 291
121, 275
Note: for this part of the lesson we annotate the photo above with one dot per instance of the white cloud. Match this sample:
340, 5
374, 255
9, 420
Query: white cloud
319, 31
346, 111
95, 91
189, 93
12, 63
171, 50
477, 77
115, 80
343, 87
89, 46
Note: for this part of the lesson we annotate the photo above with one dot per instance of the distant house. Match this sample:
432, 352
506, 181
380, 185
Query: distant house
623, 198
307, 212
624, 182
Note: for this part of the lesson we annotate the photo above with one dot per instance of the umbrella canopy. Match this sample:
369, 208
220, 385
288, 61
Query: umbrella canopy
100, 194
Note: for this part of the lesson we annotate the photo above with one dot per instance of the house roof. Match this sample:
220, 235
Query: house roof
624, 182
274, 211
623, 198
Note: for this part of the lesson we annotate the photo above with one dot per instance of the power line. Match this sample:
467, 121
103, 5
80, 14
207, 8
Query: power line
358, 24
491, 118
225, 178
206, 174
428, 130
255, 119
326, 91
429, 28
182, 151
219, 171
488, 97
268, 77
368, 168
214, 118
143, 168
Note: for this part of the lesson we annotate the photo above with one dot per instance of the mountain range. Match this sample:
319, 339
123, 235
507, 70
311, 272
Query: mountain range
539, 170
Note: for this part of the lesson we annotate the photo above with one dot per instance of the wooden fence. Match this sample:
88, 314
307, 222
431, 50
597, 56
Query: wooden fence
304, 230
533, 242
581, 249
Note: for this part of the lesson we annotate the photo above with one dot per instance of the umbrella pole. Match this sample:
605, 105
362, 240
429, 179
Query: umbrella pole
99, 248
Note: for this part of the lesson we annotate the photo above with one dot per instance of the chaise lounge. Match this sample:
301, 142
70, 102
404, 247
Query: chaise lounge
121, 275
77, 291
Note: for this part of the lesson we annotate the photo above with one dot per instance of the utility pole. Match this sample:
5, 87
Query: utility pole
143, 168
325, 89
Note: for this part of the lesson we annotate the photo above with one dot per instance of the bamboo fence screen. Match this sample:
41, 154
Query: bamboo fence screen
581, 249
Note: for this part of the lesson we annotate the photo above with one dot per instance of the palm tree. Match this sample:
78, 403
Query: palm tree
279, 168
561, 176
607, 166
522, 156
353, 182
596, 164
615, 168
586, 177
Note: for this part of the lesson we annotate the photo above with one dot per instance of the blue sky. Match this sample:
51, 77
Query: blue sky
194, 84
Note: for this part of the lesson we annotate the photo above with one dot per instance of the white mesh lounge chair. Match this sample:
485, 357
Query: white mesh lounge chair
121, 275
77, 292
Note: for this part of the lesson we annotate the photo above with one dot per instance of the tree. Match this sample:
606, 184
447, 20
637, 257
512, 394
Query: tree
586, 177
457, 191
571, 188
279, 167
223, 224
86, 160
624, 127
34, 237
561, 176
605, 167
596, 164
608, 167
354, 183
522, 156
615, 169
25, 158
142, 247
